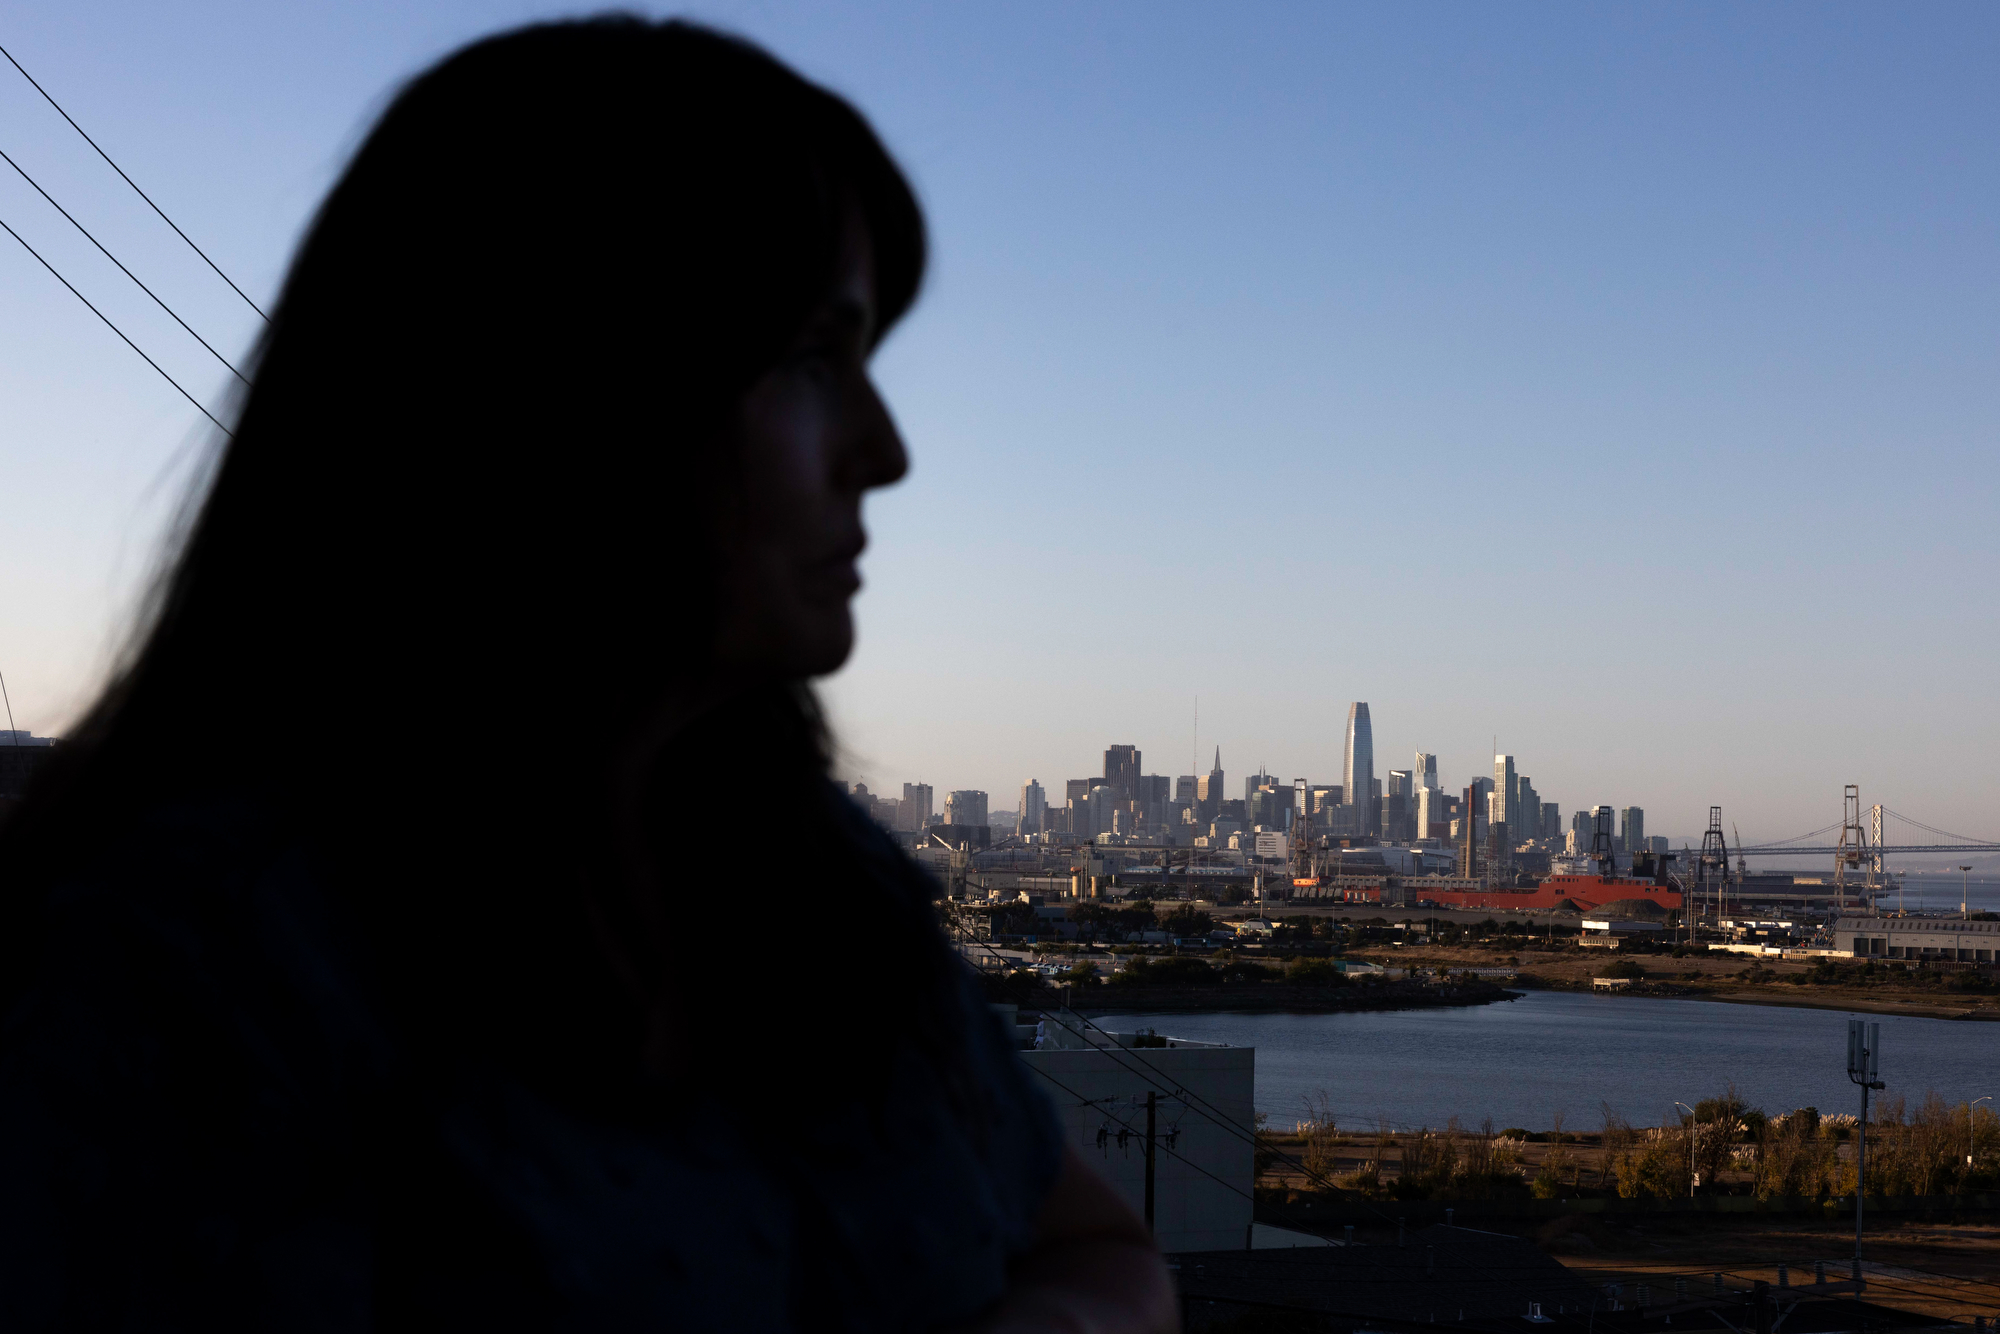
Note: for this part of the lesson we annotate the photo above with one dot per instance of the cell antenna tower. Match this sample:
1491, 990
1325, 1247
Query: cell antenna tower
1711, 870
1852, 852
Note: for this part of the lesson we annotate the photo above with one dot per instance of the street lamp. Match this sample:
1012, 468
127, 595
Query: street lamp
1965, 892
1691, 1180
1968, 1128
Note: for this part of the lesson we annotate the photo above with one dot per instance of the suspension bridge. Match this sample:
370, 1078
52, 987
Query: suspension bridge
1885, 832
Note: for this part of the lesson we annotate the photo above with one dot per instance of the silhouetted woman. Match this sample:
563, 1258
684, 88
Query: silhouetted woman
438, 924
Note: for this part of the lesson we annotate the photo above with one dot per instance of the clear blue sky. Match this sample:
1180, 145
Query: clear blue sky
1617, 379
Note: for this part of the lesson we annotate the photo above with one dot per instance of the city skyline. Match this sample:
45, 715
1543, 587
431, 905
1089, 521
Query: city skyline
1618, 381
1123, 773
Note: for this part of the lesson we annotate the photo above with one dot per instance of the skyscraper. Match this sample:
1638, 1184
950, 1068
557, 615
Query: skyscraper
915, 812
1397, 807
1034, 802
1357, 770
1631, 830
967, 807
1211, 796
1506, 791
1101, 807
1526, 812
1121, 770
1426, 771
1433, 813
1468, 833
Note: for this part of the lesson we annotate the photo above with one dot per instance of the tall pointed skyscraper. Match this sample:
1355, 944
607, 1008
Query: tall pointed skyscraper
1210, 793
1357, 770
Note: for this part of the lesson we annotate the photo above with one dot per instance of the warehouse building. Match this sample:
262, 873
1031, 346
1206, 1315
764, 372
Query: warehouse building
1935, 939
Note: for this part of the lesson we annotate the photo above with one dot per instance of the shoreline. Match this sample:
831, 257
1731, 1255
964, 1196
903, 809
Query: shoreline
1204, 1000
1900, 1009
1281, 1000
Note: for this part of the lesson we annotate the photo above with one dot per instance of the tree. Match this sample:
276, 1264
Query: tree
1185, 921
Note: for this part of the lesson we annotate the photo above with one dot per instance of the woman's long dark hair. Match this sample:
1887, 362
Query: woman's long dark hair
462, 533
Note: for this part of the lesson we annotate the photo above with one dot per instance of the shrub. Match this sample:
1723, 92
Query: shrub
1242, 970
1658, 1169
1170, 971
1366, 1180
1314, 973
1427, 1164
1622, 968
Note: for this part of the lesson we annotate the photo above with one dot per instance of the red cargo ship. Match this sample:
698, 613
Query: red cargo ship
1648, 883
1585, 893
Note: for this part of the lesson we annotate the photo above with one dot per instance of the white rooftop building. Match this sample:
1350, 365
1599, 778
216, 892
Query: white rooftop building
1203, 1120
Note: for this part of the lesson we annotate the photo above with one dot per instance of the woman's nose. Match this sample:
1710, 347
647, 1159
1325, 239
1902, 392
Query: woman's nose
877, 456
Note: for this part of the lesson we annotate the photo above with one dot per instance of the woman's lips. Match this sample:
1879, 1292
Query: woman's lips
837, 578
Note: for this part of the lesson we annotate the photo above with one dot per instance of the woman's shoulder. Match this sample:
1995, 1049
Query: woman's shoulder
875, 847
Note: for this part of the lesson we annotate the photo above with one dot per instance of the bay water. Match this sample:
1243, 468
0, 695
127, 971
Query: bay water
1520, 1062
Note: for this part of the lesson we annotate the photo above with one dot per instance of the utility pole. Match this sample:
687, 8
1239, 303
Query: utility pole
1693, 1181
1152, 1106
1864, 1045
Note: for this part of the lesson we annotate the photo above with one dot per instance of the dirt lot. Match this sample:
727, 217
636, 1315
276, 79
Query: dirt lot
1949, 1270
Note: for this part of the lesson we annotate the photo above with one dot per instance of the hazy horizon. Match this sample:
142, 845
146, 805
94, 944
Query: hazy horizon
1614, 380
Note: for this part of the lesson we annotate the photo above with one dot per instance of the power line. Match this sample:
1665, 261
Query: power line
121, 268
120, 332
1110, 1115
142, 194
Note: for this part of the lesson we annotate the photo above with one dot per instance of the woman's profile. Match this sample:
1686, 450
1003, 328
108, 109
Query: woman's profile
433, 924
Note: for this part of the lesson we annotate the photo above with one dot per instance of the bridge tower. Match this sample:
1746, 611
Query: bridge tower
1878, 871
1852, 852
1711, 869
